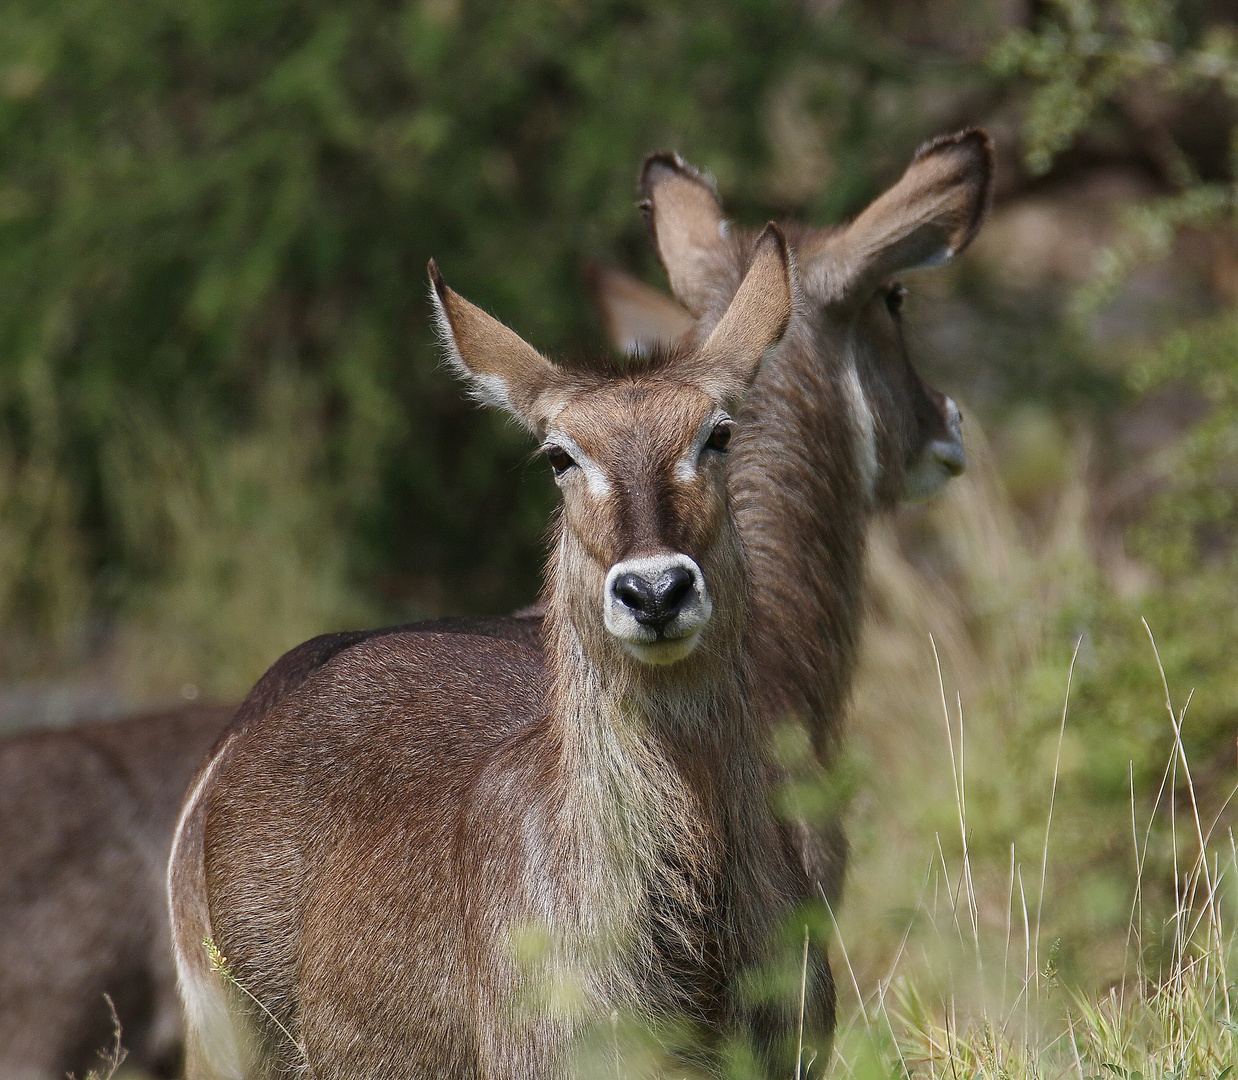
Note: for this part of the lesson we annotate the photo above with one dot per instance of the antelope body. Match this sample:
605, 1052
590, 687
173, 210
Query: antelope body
86, 820
368, 852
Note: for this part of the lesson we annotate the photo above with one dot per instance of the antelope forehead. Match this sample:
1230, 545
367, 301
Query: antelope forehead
639, 432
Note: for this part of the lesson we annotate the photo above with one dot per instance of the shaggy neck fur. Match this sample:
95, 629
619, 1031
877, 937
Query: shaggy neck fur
665, 802
803, 495
803, 498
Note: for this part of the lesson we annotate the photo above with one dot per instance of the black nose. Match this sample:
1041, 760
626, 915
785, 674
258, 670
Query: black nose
654, 601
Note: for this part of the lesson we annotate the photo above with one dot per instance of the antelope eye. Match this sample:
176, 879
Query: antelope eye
560, 460
720, 438
894, 298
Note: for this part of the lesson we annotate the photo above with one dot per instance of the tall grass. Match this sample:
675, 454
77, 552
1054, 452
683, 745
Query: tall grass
966, 998
1002, 955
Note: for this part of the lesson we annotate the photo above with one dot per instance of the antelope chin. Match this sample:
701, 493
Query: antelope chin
941, 461
662, 651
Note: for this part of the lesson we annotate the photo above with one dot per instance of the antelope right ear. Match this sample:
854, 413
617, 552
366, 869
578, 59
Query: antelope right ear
924, 220
500, 367
726, 365
637, 319
685, 221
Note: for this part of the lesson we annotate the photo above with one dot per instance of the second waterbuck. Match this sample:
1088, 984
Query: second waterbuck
374, 854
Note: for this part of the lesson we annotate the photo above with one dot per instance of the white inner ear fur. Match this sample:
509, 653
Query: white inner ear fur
446, 336
863, 426
491, 390
685, 467
595, 477
486, 389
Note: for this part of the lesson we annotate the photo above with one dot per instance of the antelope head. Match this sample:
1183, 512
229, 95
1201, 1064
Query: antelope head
648, 557
848, 279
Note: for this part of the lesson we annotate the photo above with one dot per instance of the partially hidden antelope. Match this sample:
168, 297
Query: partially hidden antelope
368, 852
86, 819
838, 427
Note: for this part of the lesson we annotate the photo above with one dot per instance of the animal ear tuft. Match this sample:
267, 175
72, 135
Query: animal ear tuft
685, 222
500, 368
924, 220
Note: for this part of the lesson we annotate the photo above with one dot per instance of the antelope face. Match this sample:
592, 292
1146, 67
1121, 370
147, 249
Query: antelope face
641, 468
917, 430
647, 544
941, 456
908, 437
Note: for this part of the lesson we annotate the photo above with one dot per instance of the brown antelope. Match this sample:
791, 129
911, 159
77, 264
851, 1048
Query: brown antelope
368, 851
86, 819
86, 822
803, 495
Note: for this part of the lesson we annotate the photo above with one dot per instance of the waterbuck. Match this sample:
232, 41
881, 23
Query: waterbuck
804, 491
367, 853
86, 818
86, 822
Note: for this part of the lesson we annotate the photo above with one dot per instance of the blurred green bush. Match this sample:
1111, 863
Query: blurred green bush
222, 427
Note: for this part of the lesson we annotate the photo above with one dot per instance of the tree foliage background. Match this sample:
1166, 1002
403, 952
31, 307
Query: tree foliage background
222, 427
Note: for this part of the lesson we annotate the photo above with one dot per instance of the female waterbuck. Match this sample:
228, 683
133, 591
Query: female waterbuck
369, 852
838, 426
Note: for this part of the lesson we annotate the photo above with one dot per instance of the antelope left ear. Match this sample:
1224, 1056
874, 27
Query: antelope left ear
755, 322
500, 367
685, 222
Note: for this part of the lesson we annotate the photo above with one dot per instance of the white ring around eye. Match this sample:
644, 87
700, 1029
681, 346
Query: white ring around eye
599, 483
685, 467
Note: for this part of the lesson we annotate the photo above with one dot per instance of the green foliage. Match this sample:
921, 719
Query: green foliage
214, 222
1085, 54
1087, 58
1086, 66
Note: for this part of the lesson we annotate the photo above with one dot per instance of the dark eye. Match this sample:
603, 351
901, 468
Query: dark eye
560, 460
720, 438
894, 299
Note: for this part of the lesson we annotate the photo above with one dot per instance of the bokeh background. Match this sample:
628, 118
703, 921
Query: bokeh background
224, 426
